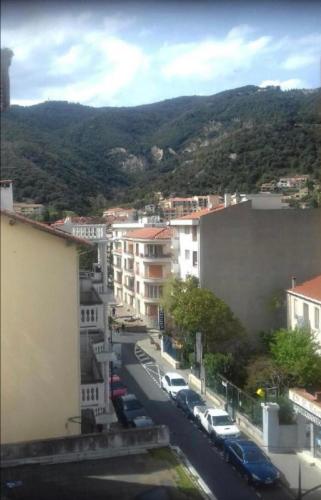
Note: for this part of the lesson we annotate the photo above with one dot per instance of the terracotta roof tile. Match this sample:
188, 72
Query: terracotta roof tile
310, 289
45, 228
150, 233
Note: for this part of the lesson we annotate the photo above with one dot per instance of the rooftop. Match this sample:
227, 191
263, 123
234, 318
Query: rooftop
201, 213
150, 233
43, 227
310, 289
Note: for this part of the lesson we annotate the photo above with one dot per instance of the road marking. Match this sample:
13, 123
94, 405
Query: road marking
149, 365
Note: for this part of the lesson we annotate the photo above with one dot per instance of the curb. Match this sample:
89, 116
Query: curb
200, 482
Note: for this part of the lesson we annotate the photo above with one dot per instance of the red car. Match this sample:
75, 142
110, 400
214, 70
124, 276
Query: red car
117, 388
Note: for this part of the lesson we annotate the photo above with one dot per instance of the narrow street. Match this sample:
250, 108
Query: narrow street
141, 375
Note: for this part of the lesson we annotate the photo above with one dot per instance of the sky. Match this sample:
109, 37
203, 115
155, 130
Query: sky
128, 53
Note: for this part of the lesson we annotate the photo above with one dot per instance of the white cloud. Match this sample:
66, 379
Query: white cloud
293, 83
212, 58
300, 60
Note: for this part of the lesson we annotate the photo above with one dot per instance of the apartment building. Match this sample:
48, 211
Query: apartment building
178, 207
40, 347
94, 230
29, 209
246, 253
304, 306
142, 263
95, 355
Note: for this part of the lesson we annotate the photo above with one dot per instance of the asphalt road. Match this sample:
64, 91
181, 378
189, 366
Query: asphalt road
224, 482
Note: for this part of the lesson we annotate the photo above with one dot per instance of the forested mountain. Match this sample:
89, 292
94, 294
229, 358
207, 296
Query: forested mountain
65, 154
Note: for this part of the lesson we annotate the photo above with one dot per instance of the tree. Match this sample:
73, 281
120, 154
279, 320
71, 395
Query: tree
295, 353
193, 309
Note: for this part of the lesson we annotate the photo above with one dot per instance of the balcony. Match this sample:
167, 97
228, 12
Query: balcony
117, 250
129, 271
130, 288
166, 257
154, 279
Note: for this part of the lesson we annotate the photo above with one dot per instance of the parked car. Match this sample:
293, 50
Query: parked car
117, 388
128, 407
172, 383
187, 399
250, 460
217, 423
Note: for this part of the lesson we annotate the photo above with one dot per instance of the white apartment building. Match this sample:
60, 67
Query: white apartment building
240, 251
178, 207
142, 263
186, 243
304, 306
87, 228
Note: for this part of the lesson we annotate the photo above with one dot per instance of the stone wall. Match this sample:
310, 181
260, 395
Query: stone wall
84, 447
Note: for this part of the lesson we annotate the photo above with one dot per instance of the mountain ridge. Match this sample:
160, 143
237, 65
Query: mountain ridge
64, 154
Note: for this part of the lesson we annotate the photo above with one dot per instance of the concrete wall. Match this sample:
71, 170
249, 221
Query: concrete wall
40, 360
248, 255
85, 447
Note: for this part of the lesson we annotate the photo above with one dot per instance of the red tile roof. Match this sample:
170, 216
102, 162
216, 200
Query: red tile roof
45, 228
150, 233
200, 213
310, 289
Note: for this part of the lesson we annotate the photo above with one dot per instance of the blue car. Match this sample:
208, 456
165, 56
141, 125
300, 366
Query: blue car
249, 459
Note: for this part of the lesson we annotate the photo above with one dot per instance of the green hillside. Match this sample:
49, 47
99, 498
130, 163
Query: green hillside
65, 154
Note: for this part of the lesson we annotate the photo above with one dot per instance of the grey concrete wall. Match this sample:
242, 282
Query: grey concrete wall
248, 255
84, 447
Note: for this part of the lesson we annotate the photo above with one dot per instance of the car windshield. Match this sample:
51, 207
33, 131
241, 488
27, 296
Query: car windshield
222, 420
178, 381
254, 456
132, 404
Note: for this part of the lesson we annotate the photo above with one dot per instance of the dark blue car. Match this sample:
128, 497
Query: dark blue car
252, 463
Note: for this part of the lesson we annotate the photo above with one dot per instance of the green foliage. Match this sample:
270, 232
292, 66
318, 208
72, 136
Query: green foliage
286, 412
295, 353
194, 309
218, 363
261, 372
63, 154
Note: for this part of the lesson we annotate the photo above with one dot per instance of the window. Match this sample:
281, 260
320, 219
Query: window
186, 229
316, 318
187, 254
306, 314
82, 316
137, 249
194, 233
194, 258
137, 287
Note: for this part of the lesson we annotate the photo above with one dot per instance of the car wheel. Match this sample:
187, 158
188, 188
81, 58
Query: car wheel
198, 422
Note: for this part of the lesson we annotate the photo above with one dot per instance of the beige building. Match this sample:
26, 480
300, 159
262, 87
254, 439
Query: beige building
33, 209
40, 353
142, 263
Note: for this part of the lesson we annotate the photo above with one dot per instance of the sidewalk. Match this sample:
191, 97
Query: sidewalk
287, 463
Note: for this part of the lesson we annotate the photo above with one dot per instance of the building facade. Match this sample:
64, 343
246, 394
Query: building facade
304, 306
247, 255
40, 348
142, 263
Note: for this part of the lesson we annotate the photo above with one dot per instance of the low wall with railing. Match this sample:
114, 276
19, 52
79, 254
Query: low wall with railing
84, 447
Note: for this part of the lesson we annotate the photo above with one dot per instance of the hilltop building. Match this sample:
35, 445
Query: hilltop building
178, 207
6, 57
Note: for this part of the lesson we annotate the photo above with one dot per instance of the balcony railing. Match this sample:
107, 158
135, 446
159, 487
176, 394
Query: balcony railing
155, 256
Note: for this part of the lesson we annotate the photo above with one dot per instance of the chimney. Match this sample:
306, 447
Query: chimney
293, 281
6, 195
227, 200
